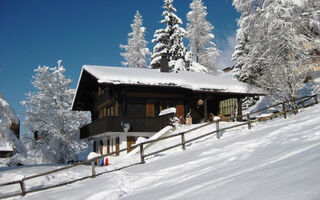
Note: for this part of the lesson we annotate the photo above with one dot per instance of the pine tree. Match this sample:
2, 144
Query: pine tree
136, 51
199, 33
170, 39
48, 113
243, 71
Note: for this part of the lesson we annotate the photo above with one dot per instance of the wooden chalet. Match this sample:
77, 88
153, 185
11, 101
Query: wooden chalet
125, 102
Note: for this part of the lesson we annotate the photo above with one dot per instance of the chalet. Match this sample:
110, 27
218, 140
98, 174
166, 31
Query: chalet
125, 102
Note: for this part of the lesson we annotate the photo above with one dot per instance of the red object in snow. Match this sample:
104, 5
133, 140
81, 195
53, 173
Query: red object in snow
106, 162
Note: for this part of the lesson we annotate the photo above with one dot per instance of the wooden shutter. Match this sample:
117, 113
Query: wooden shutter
130, 141
150, 110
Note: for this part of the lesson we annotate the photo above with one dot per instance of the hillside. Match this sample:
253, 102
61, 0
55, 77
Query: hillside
277, 159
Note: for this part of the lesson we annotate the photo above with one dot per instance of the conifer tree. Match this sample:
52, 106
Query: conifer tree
136, 51
170, 39
199, 33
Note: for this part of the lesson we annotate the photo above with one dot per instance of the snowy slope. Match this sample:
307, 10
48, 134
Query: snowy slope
278, 159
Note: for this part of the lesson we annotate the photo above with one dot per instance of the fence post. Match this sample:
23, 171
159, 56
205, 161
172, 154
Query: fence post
316, 99
183, 141
284, 110
295, 106
93, 166
303, 106
23, 188
142, 154
217, 129
249, 121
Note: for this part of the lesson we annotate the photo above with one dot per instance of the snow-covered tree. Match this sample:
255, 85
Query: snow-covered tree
136, 51
199, 33
242, 69
48, 113
170, 39
8, 118
275, 52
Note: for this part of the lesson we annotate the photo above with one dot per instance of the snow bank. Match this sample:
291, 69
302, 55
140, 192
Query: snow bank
93, 155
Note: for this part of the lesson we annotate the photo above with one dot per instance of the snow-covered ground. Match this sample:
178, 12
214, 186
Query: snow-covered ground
278, 159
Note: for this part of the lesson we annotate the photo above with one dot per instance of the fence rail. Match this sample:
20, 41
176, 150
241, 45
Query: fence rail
249, 122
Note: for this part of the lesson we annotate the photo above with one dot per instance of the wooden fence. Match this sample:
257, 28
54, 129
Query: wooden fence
248, 121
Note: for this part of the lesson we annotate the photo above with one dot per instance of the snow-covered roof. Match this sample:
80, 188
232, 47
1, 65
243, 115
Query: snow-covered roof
6, 148
167, 111
190, 80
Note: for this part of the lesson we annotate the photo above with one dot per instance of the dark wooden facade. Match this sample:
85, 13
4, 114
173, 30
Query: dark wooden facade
137, 106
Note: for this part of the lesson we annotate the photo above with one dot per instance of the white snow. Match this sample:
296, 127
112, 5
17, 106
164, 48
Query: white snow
216, 118
278, 160
93, 155
184, 79
167, 111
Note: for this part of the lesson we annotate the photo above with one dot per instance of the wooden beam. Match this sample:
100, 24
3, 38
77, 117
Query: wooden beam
154, 95
239, 119
205, 108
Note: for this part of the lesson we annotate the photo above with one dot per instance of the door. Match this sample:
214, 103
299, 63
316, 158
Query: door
130, 141
180, 110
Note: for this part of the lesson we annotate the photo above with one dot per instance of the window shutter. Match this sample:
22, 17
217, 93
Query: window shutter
150, 110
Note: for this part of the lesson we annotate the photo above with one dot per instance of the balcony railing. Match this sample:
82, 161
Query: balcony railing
113, 124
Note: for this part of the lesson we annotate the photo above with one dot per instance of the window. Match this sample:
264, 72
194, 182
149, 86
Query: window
228, 107
100, 90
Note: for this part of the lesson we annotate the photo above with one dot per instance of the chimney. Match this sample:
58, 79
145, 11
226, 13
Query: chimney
164, 63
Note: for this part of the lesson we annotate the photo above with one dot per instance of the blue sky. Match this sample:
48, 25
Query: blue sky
40, 32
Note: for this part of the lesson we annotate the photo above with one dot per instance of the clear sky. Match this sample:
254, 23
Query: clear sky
40, 32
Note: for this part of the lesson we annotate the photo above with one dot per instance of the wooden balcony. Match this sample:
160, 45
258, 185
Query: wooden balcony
113, 124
